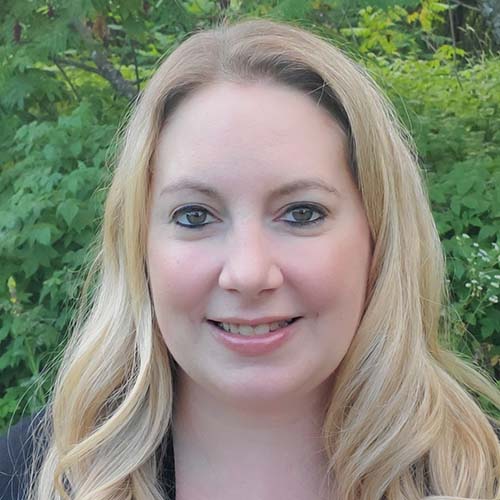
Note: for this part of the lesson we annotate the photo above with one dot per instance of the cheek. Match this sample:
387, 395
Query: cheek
180, 277
333, 272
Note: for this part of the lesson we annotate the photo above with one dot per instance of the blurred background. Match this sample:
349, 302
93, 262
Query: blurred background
70, 69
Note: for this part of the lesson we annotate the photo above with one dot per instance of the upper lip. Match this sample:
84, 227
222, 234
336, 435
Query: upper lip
253, 322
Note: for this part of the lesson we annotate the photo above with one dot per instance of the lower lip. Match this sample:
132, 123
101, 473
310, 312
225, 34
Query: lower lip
255, 345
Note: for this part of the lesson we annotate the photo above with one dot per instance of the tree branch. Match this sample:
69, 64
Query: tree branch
107, 70
66, 77
454, 41
104, 67
77, 64
136, 66
467, 6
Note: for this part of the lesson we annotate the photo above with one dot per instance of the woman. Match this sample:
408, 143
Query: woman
268, 298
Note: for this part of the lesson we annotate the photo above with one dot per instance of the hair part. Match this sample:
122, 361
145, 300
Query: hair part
400, 423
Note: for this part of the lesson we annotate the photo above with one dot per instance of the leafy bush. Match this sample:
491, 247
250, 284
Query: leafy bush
49, 212
452, 112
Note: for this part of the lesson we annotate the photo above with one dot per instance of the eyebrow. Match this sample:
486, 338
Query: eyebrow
283, 190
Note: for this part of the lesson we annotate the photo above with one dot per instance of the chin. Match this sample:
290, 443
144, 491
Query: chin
257, 387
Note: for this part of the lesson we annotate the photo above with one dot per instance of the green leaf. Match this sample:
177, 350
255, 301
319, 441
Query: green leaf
68, 210
76, 148
488, 327
464, 185
438, 7
292, 9
470, 202
50, 153
41, 233
459, 269
455, 207
487, 231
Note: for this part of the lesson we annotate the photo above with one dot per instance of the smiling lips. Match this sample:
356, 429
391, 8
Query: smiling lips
249, 328
253, 343
257, 330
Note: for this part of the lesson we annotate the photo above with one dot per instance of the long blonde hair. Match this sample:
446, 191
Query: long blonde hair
401, 424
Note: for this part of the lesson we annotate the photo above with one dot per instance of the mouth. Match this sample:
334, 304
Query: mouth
248, 331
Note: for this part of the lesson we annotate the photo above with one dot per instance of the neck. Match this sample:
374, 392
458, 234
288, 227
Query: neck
247, 450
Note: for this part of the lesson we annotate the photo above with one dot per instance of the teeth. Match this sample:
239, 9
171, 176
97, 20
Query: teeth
260, 329
247, 330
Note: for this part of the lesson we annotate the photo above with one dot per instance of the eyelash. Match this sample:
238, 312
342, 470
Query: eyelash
195, 208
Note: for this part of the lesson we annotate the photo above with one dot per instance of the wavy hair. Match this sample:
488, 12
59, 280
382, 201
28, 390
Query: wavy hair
403, 421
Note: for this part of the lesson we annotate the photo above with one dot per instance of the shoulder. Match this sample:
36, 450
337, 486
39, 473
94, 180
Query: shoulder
16, 454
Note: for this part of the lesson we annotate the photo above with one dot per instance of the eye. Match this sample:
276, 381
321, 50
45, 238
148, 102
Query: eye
192, 217
195, 217
305, 215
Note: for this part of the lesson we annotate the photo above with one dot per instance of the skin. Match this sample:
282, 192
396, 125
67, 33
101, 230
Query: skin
249, 427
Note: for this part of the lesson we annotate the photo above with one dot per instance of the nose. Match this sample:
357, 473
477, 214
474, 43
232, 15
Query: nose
249, 267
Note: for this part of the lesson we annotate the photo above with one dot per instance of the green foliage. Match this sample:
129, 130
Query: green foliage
453, 115
475, 272
431, 12
49, 210
380, 31
69, 71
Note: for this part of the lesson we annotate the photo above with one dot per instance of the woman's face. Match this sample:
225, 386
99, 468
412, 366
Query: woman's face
255, 218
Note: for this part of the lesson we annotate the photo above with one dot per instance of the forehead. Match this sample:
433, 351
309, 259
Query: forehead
261, 130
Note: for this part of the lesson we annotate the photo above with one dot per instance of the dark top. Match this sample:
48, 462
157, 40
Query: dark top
16, 455
16, 449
